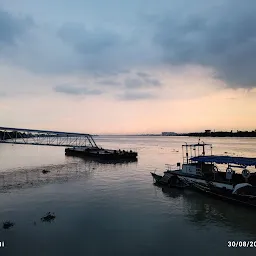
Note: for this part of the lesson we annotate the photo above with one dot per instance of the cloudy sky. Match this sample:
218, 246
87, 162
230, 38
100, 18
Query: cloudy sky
137, 66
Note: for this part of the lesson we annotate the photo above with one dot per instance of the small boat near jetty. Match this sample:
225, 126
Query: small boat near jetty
100, 153
201, 172
164, 180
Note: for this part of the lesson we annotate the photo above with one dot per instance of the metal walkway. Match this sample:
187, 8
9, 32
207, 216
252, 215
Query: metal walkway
45, 138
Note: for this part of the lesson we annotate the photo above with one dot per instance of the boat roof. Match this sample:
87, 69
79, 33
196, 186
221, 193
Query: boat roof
247, 161
197, 144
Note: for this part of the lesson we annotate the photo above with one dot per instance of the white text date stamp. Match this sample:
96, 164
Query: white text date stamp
245, 244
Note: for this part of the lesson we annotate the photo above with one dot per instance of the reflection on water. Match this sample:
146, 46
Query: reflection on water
203, 210
103, 161
38, 176
113, 208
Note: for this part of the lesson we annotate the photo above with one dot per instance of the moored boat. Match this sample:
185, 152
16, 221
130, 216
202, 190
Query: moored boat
104, 154
202, 168
170, 181
243, 193
202, 172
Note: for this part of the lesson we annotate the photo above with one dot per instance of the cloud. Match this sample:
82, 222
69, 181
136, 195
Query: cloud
110, 82
130, 87
224, 39
143, 80
76, 90
135, 83
150, 36
143, 75
76, 47
88, 42
12, 28
153, 82
2, 94
99, 50
130, 96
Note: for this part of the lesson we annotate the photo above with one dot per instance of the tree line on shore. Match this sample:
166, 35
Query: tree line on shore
221, 134
14, 134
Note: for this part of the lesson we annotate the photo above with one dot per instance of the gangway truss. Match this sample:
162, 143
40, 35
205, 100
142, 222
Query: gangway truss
45, 138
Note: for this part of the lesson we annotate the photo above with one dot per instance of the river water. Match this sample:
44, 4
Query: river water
114, 209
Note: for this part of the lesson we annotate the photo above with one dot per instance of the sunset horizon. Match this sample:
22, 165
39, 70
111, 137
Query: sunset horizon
127, 69
127, 124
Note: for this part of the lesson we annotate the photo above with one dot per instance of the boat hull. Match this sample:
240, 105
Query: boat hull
191, 180
224, 195
168, 181
102, 154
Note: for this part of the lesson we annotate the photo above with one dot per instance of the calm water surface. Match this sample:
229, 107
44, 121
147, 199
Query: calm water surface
114, 209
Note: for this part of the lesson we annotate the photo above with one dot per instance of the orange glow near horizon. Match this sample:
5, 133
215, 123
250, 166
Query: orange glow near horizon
195, 103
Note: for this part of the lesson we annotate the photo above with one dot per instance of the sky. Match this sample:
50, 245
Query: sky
125, 67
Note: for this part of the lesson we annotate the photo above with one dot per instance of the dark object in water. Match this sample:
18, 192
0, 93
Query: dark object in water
200, 167
45, 171
8, 224
103, 154
245, 195
170, 181
48, 217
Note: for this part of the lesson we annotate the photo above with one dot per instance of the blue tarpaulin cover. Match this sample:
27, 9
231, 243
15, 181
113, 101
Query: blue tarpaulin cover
247, 161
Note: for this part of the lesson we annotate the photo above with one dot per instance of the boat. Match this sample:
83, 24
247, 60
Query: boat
202, 168
99, 160
100, 153
165, 180
243, 193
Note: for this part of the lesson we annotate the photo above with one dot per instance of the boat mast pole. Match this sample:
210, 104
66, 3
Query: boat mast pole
187, 152
183, 157
190, 151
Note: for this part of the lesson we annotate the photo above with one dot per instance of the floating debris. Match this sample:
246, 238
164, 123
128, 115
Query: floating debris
45, 171
7, 224
48, 217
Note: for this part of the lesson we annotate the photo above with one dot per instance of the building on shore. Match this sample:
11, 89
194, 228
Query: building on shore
169, 133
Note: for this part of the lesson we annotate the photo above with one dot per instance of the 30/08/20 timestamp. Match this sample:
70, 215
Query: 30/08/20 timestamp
246, 244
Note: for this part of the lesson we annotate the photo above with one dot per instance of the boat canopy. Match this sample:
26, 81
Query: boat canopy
196, 145
246, 161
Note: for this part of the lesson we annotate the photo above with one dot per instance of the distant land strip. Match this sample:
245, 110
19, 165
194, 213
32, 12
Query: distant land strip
206, 133
209, 133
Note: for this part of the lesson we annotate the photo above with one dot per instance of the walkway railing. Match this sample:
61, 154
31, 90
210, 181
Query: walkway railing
45, 138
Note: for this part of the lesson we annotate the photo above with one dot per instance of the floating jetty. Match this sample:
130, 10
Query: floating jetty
100, 153
77, 144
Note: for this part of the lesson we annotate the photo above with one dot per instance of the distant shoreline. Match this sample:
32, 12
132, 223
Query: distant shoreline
239, 134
